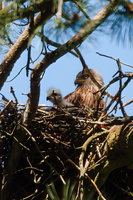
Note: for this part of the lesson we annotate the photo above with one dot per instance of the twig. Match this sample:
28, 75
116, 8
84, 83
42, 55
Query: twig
25, 67
117, 94
77, 167
11, 135
27, 168
30, 196
93, 183
4, 98
16, 74
81, 58
95, 124
129, 102
32, 171
59, 9
113, 59
96, 163
52, 43
115, 98
13, 93
120, 88
35, 143
95, 186
85, 67
120, 188
82, 10
28, 60
9, 103
82, 166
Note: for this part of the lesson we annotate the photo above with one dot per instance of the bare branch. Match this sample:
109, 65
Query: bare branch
117, 94
52, 43
13, 93
59, 11
127, 103
113, 59
81, 58
120, 89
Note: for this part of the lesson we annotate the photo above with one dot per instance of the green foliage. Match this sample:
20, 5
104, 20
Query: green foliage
120, 25
52, 192
5, 40
75, 15
68, 191
71, 21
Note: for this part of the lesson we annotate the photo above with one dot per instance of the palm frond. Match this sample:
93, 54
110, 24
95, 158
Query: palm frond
68, 191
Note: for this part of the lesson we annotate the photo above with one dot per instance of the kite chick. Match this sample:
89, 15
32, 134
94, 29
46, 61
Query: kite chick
55, 96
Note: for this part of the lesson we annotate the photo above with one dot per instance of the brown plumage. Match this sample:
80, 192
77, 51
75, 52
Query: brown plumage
86, 92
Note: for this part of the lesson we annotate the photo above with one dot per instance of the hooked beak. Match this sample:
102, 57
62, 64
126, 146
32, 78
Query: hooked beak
78, 81
47, 98
75, 82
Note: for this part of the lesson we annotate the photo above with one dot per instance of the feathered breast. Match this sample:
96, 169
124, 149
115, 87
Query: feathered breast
86, 95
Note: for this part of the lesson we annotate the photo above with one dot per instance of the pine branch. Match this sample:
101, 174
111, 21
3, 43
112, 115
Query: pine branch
20, 13
21, 44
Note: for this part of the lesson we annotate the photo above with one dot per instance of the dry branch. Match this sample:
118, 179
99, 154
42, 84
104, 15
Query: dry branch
114, 59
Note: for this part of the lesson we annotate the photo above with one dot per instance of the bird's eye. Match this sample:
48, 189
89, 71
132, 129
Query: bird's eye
85, 76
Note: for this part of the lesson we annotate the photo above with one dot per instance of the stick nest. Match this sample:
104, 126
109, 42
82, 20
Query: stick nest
52, 147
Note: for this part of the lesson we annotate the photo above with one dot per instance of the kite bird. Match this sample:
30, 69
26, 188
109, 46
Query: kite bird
87, 91
56, 98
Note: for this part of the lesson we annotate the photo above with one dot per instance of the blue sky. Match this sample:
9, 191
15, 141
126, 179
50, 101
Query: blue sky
62, 73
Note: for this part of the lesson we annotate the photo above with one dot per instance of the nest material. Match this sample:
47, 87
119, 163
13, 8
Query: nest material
52, 146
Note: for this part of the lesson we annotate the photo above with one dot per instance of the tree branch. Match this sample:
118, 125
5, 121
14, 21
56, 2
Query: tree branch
113, 59
20, 13
62, 50
117, 94
21, 44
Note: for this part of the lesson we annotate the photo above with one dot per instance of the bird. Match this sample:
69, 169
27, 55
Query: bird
54, 95
87, 91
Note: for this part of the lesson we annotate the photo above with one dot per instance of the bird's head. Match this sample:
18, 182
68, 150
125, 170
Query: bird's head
83, 78
54, 96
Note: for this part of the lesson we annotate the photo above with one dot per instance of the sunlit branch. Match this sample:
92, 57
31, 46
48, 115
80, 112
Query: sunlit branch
114, 59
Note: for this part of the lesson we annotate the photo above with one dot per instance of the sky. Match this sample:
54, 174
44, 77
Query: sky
62, 73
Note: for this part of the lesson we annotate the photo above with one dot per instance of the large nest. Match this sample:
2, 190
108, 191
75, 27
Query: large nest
64, 144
